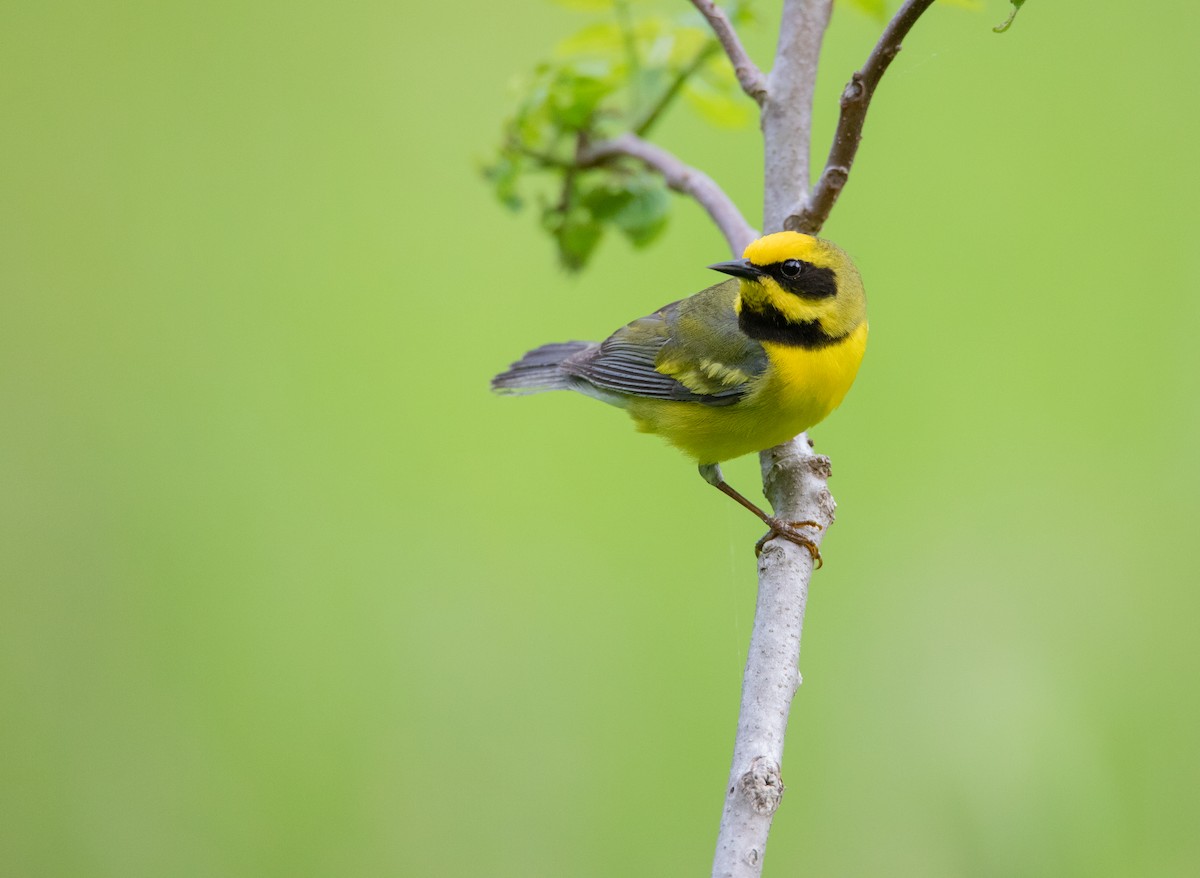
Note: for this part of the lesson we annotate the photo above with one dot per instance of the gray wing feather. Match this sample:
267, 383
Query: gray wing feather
628, 361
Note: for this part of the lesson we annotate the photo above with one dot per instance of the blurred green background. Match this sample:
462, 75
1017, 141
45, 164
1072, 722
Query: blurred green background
285, 591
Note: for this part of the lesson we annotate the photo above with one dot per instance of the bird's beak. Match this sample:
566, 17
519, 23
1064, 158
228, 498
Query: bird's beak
739, 268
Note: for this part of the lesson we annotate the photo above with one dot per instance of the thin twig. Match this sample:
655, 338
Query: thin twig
543, 159
751, 78
855, 101
625, 21
678, 176
654, 113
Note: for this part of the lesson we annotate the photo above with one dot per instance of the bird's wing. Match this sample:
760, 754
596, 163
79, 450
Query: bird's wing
691, 351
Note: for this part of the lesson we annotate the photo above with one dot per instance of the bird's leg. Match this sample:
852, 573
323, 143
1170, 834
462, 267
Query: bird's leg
711, 473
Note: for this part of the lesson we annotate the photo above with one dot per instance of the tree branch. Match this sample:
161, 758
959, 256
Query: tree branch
679, 177
654, 113
751, 78
787, 114
856, 99
794, 478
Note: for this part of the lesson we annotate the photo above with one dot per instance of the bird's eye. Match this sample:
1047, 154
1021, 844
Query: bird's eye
791, 268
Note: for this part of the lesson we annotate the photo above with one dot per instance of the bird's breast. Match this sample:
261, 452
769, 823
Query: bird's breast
799, 388
806, 384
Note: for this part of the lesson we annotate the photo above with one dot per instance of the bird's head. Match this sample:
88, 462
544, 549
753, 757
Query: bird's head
796, 289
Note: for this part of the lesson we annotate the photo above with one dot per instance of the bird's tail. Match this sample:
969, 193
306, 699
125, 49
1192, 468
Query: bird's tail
538, 371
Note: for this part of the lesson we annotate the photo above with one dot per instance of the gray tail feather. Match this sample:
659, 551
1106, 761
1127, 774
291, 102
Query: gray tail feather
538, 370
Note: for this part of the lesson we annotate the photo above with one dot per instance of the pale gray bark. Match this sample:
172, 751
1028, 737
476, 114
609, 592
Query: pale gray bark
794, 480
794, 476
680, 177
787, 112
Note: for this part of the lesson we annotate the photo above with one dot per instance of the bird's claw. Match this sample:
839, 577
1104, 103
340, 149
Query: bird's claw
787, 530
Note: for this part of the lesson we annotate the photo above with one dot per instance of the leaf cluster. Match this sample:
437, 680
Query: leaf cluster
618, 73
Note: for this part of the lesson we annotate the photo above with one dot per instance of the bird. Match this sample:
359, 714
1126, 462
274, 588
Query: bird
738, 367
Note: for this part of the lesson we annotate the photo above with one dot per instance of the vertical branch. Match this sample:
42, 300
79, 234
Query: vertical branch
794, 480
787, 112
794, 477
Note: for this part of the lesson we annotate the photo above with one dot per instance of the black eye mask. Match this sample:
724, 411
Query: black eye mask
811, 282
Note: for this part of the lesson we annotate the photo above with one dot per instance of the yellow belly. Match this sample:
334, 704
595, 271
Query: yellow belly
800, 389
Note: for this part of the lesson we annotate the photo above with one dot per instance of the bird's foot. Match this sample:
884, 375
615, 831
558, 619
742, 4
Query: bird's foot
787, 530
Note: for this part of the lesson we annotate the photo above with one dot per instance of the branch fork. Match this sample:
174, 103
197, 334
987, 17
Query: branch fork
794, 476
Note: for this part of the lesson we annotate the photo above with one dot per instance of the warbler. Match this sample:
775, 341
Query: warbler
736, 368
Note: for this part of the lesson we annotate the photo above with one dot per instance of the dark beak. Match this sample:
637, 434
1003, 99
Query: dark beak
739, 268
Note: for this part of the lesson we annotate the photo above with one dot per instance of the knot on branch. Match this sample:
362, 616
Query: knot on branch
835, 176
752, 81
794, 480
797, 467
762, 785
854, 91
804, 223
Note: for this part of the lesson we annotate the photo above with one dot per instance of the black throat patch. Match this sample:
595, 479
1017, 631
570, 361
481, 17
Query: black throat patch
769, 324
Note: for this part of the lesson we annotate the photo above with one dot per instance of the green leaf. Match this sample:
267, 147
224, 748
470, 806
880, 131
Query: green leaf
601, 38
605, 201
1001, 28
644, 215
688, 42
503, 176
577, 240
877, 9
574, 98
614, 74
741, 13
716, 105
